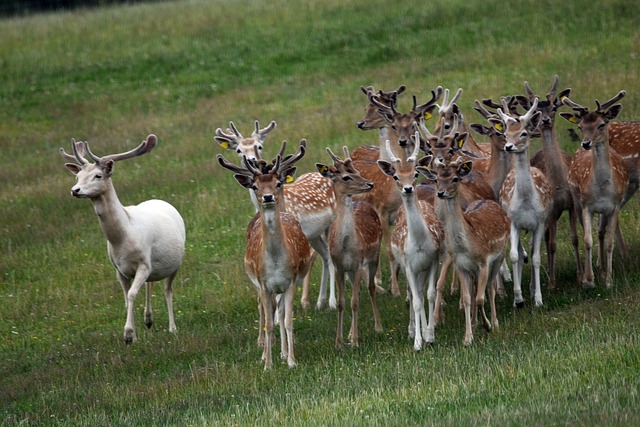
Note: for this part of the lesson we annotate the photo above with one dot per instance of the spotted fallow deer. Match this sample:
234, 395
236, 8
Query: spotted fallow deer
309, 198
598, 178
525, 196
278, 254
554, 164
476, 239
354, 240
449, 117
145, 242
386, 201
417, 241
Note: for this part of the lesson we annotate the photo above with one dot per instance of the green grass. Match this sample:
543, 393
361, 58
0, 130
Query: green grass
182, 69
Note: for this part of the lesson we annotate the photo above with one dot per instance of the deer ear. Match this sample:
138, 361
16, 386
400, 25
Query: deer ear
461, 139
564, 94
497, 125
324, 170
73, 168
571, 118
465, 168
386, 168
428, 114
534, 122
108, 167
427, 173
425, 161
613, 112
224, 142
478, 128
245, 181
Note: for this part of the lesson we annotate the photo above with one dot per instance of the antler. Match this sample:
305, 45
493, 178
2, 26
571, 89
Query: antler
532, 110
375, 100
144, 147
435, 95
78, 151
446, 105
261, 134
290, 160
235, 136
234, 168
390, 153
414, 155
604, 107
575, 106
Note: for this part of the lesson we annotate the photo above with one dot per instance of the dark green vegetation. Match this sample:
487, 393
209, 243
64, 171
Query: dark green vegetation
180, 70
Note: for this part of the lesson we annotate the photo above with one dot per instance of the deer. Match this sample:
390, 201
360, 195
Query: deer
475, 238
278, 255
309, 198
599, 179
383, 197
417, 241
525, 196
145, 242
554, 164
354, 240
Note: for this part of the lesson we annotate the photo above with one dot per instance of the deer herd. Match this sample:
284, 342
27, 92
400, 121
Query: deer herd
476, 199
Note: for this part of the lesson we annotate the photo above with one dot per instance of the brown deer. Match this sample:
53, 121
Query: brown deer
278, 255
354, 240
475, 239
383, 197
309, 198
417, 241
525, 196
554, 164
598, 178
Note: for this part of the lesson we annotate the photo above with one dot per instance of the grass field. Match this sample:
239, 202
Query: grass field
182, 69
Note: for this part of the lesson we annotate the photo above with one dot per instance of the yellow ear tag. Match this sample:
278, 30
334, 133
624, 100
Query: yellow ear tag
224, 144
499, 127
466, 167
460, 143
289, 179
427, 115
573, 120
324, 169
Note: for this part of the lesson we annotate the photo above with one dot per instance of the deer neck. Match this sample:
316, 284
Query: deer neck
273, 238
554, 163
415, 223
113, 217
345, 217
601, 164
524, 180
499, 166
455, 225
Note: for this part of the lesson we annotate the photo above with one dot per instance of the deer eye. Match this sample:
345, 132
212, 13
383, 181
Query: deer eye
279, 184
523, 135
601, 127
98, 176
259, 147
396, 177
239, 151
455, 179
346, 178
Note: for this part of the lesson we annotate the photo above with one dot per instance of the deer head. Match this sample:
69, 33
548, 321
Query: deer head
251, 147
593, 124
93, 178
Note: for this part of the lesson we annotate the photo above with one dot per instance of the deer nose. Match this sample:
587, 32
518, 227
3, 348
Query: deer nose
268, 198
441, 194
587, 144
402, 142
407, 189
360, 124
370, 184
75, 191
509, 147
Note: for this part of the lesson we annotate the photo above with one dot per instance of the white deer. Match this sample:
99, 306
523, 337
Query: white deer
145, 242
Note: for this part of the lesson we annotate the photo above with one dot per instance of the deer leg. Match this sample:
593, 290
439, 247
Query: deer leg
536, 243
306, 284
328, 273
483, 277
268, 310
372, 296
430, 327
395, 290
288, 299
552, 247
340, 285
129, 328
416, 308
515, 255
148, 312
465, 285
587, 278
608, 243
168, 296
573, 224
438, 316
355, 307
